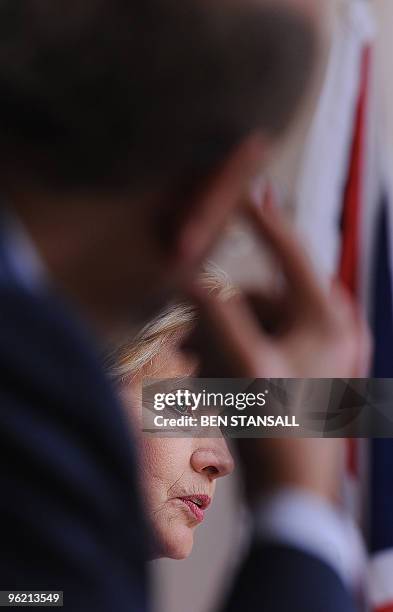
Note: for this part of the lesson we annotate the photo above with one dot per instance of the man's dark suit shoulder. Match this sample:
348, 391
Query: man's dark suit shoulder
278, 578
69, 506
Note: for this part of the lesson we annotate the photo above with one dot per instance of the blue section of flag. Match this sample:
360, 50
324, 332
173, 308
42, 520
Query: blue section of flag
381, 534
383, 304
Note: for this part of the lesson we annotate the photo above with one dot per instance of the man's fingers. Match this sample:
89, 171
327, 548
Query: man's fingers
228, 337
351, 321
273, 312
365, 350
295, 264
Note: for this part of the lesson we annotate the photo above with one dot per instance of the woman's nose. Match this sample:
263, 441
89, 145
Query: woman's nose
213, 458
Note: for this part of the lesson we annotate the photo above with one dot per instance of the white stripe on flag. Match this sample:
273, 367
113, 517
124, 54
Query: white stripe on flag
319, 192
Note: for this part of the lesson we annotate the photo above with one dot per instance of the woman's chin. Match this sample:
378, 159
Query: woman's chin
178, 544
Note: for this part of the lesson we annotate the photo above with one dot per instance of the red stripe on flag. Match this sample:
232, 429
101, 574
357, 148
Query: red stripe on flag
387, 608
349, 267
352, 210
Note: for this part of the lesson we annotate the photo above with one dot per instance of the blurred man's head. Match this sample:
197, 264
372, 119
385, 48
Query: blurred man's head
128, 130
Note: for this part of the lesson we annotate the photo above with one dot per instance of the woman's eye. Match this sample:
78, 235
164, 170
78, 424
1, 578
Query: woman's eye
182, 409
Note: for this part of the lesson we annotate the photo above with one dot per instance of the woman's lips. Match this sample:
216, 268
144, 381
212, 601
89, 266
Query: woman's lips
197, 505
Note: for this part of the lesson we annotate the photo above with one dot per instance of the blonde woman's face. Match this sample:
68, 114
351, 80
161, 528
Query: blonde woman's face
178, 475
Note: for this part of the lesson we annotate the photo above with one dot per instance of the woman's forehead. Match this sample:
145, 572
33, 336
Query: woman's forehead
171, 362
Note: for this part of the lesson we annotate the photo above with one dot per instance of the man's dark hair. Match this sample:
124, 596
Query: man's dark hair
122, 94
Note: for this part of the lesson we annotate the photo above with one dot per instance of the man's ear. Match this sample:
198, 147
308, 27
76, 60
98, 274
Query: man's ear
203, 210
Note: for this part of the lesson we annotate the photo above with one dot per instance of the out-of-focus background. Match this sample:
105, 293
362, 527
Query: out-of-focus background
384, 12
197, 583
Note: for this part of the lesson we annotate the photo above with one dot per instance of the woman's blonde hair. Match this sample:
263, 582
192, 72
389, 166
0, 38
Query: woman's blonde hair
129, 358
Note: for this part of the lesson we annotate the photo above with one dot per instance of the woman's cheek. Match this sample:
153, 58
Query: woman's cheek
167, 458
